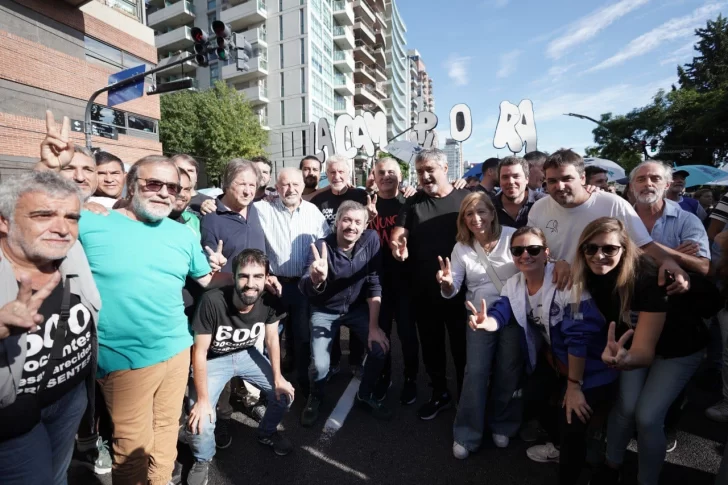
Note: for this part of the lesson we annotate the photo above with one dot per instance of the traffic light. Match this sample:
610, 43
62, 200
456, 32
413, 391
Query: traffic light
224, 40
201, 56
244, 51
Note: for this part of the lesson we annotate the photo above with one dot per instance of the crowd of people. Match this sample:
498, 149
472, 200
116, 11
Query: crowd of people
571, 313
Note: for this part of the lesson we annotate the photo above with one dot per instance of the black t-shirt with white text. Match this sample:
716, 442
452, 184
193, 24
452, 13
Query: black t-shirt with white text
62, 375
328, 202
387, 211
432, 226
231, 330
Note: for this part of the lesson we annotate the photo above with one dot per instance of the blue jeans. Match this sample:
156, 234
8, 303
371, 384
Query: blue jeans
299, 318
645, 395
43, 454
323, 328
500, 352
252, 367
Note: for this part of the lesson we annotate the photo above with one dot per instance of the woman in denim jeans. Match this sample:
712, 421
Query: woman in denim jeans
482, 241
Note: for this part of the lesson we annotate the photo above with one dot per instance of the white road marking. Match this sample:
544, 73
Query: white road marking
343, 406
335, 463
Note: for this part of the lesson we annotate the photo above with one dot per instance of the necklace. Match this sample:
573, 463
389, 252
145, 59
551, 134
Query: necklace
488, 247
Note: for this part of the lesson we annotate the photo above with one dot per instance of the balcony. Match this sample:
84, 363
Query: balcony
362, 53
257, 94
378, 52
175, 40
258, 68
381, 89
185, 67
343, 61
172, 15
343, 12
365, 74
344, 37
343, 106
263, 118
414, 82
379, 73
255, 36
344, 84
367, 94
381, 37
364, 31
244, 14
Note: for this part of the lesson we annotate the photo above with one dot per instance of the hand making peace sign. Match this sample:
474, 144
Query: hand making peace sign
444, 276
372, 206
56, 151
480, 320
21, 314
320, 267
399, 248
215, 258
615, 355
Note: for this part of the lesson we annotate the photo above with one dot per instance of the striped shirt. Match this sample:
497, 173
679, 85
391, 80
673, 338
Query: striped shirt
288, 235
720, 212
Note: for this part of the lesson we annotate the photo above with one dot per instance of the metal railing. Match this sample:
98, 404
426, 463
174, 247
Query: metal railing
341, 56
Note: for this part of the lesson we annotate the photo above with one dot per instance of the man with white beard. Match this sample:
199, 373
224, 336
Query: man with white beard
139, 259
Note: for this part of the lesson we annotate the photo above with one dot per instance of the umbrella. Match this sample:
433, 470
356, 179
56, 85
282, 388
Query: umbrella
403, 150
614, 170
474, 171
703, 175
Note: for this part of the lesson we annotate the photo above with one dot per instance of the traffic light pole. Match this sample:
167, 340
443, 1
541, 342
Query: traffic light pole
87, 121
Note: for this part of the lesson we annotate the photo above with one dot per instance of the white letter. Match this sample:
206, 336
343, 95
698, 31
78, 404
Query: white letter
344, 123
426, 123
505, 132
526, 126
461, 122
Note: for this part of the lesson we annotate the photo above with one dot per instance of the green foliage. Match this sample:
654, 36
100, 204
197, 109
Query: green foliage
403, 166
214, 126
690, 122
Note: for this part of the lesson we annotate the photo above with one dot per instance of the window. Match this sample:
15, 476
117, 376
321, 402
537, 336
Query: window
283, 112
214, 73
280, 51
280, 5
303, 110
210, 19
211, 4
280, 27
121, 120
303, 51
303, 79
110, 57
109, 116
283, 90
301, 18
141, 124
304, 148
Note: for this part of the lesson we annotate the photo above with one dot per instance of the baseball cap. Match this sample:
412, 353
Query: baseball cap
684, 173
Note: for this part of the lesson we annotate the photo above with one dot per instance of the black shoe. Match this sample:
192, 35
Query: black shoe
281, 446
409, 391
198, 473
438, 402
377, 409
311, 411
381, 388
223, 438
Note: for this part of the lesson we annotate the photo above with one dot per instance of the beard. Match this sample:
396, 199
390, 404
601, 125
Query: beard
37, 251
247, 299
647, 197
148, 211
310, 182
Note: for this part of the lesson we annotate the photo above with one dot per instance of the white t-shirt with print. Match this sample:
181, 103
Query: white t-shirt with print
563, 226
537, 312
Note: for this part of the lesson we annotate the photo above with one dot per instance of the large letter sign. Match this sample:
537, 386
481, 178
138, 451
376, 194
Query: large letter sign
516, 127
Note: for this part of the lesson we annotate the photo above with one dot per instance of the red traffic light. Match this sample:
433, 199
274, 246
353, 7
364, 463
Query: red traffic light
199, 35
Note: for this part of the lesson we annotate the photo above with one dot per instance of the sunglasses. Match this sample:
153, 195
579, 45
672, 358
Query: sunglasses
608, 250
534, 250
154, 185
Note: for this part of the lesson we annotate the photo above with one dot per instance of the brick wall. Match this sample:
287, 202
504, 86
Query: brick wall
35, 65
21, 136
76, 19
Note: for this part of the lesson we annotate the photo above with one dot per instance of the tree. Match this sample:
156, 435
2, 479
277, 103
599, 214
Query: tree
403, 166
215, 126
688, 124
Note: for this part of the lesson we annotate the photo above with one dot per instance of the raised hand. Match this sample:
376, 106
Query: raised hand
444, 276
56, 151
372, 206
460, 184
615, 355
480, 320
22, 314
215, 258
320, 267
371, 184
399, 249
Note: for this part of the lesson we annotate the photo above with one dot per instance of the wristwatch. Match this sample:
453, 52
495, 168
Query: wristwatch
575, 381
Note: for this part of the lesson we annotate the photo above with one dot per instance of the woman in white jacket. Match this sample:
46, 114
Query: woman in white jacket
481, 260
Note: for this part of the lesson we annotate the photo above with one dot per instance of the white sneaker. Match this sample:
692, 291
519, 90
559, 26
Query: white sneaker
718, 412
544, 453
501, 441
459, 451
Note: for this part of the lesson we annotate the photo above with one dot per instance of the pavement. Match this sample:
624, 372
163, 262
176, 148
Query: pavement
408, 450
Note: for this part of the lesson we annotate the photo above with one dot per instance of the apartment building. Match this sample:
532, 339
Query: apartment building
54, 55
454, 151
312, 59
398, 99
420, 85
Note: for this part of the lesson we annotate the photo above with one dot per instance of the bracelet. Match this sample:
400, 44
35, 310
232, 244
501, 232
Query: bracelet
575, 381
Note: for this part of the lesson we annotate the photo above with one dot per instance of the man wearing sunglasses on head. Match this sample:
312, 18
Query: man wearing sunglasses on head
563, 216
140, 259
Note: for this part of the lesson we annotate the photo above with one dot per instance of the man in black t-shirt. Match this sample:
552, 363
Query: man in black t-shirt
395, 282
426, 228
230, 326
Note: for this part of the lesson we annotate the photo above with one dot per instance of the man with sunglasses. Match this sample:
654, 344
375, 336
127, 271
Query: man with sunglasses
563, 216
139, 259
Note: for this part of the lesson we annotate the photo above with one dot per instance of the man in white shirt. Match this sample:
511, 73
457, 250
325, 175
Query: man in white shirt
563, 216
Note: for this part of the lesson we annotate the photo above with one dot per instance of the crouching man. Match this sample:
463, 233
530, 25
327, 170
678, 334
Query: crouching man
342, 283
229, 324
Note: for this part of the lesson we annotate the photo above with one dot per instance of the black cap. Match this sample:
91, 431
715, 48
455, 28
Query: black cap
684, 173
489, 163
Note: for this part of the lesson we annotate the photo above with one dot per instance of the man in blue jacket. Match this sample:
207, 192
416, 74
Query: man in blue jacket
342, 283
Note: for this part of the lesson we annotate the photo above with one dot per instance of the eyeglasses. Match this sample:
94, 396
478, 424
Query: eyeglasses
608, 250
154, 185
534, 250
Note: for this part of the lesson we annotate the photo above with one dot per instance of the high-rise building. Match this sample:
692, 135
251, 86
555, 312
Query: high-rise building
398, 93
54, 55
420, 84
312, 59
454, 151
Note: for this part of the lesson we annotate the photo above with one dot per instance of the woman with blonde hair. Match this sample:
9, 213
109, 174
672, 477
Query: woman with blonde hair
481, 260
